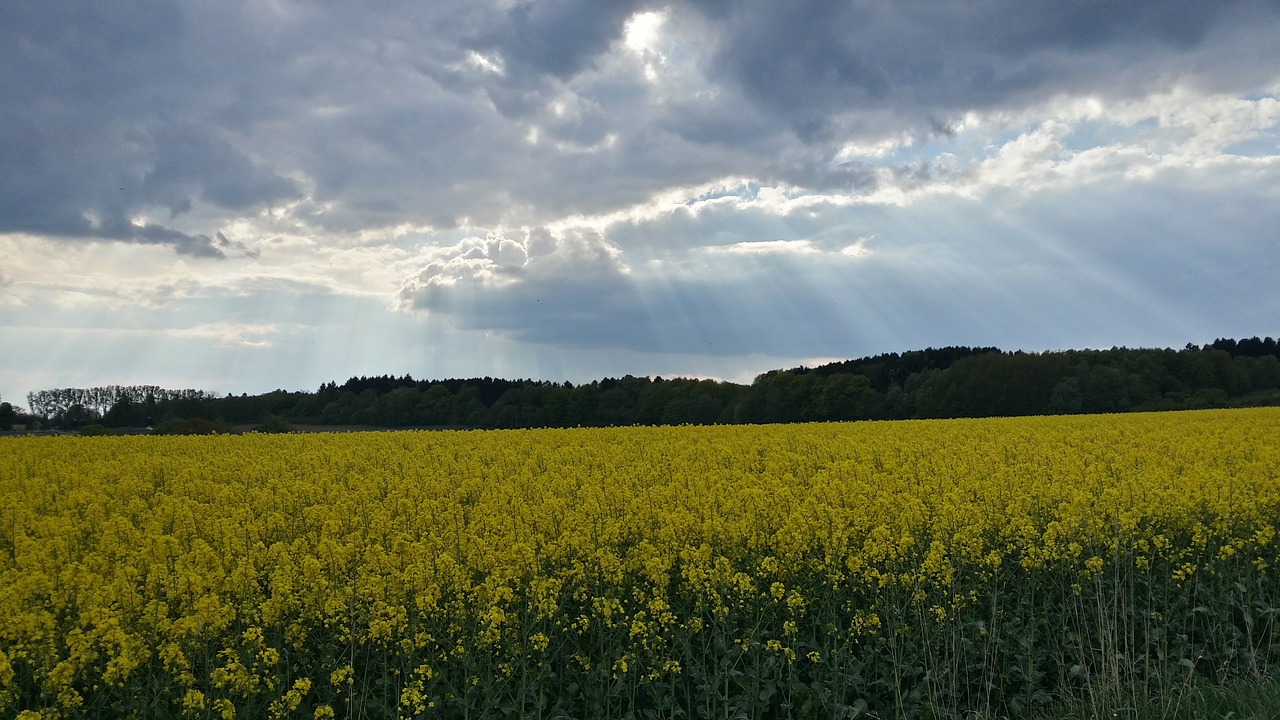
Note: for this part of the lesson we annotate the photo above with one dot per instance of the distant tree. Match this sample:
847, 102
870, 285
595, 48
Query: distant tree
935, 382
557, 406
616, 406
129, 412
846, 396
273, 424
193, 426
1249, 347
435, 406
338, 410
897, 404
56, 405
399, 407
306, 409
692, 405
1105, 391
76, 416
7, 416
1066, 397
1263, 372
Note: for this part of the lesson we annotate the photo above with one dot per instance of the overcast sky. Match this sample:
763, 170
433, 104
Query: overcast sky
242, 196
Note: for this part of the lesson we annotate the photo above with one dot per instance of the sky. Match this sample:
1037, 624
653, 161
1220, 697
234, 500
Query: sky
244, 196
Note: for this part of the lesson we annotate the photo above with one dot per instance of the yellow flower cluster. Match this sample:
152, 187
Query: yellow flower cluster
291, 573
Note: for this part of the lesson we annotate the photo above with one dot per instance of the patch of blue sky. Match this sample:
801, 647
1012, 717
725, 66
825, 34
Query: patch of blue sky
969, 146
962, 147
1088, 134
1267, 145
979, 143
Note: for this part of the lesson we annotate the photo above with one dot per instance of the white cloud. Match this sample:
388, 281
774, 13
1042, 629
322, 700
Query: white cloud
642, 36
643, 32
768, 247
487, 63
225, 334
858, 248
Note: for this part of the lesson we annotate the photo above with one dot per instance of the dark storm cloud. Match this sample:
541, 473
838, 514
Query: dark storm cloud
107, 114
920, 62
194, 162
559, 37
192, 115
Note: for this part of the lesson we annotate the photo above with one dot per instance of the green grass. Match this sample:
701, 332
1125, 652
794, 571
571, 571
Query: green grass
1250, 699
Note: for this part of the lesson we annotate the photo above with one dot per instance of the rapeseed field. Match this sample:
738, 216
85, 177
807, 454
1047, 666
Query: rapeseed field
889, 570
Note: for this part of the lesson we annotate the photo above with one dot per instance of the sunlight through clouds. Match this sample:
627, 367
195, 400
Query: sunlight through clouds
641, 36
586, 189
233, 335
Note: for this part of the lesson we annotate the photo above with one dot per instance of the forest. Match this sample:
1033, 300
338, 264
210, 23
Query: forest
947, 382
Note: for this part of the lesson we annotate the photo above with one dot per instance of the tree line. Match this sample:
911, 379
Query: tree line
121, 404
932, 383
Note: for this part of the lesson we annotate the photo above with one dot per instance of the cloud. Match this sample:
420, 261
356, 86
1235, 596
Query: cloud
226, 334
544, 287
926, 63
556, 37
1009, 255
697, 181
573, 288
9, 299
105, 123
769, 247
511, 114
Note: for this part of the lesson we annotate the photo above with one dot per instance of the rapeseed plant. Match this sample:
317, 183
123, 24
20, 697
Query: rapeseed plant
910, 569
